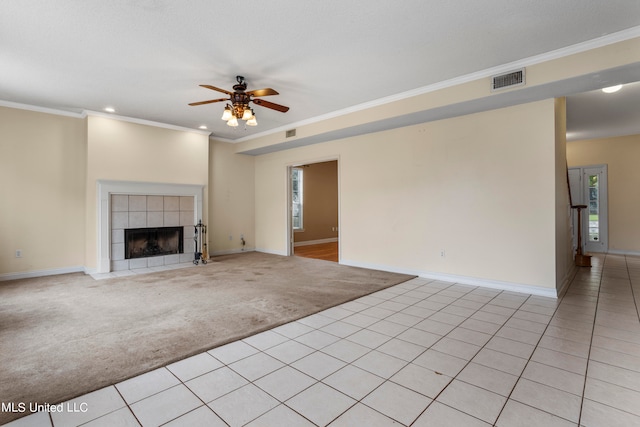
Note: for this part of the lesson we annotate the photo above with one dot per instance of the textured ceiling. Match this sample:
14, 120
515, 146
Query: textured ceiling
146, 58
595, 114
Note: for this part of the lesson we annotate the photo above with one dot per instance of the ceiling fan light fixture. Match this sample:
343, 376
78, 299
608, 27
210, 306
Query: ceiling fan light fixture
247, 114
252, 121
227, 114
612, 89
233, 122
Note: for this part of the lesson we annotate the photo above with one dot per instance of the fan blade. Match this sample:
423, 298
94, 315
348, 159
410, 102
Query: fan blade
277, 107
216, 89
262, 92
211, 101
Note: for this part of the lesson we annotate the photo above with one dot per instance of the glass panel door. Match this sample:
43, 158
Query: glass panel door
595, 217
296, 198
594, 210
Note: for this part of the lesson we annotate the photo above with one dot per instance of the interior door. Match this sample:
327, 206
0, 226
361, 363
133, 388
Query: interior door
594, 181
588, 187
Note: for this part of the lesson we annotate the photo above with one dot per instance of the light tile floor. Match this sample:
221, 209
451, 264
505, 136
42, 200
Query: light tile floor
422, 353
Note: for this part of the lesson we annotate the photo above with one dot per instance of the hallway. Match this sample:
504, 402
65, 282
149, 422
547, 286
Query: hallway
596, 327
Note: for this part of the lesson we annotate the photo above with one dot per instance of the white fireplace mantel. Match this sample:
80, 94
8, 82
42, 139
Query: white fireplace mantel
106, 188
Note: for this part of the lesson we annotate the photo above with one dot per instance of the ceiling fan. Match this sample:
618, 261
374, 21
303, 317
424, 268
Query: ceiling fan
240, 99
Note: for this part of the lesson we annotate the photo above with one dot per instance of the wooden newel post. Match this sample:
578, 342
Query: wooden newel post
581, 259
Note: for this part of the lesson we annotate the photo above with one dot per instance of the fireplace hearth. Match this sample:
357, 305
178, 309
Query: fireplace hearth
155, 241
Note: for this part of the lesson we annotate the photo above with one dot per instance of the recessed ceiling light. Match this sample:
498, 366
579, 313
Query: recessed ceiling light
110, 109
612, 89
203, 127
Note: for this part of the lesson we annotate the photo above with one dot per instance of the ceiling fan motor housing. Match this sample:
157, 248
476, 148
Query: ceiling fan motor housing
239, 100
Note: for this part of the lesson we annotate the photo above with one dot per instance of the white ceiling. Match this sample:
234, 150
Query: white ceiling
146, 58
596, 114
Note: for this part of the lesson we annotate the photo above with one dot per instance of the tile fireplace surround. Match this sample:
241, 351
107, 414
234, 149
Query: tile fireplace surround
143, 211
125, 205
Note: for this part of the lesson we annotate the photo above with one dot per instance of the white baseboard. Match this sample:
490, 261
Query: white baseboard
623, 252
41, 273
567, 280
269, 251
494, 284
232, 251
463, 280
316, 242
389, 268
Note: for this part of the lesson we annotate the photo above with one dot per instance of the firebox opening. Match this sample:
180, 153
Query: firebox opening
148, 242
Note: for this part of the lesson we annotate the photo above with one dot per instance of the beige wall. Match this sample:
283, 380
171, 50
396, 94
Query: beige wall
232, 199
547, 217
621, 155
42, 191
320, 202
459, 185
125, 151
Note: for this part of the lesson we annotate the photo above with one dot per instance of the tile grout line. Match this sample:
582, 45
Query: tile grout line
633, 295
192, 392
127, 404
590, 347
525, 366
416, 357
470, 360
252, 382
531, 355
407, 362
529, 297
360, 401
593, 327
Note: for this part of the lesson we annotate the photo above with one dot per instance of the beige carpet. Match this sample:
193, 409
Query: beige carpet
63, 336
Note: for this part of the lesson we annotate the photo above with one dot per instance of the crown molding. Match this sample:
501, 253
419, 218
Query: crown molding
145, 122
606, 40
85, 113
37, 109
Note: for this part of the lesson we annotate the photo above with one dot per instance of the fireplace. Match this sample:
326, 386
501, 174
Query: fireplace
154, 241
130, 205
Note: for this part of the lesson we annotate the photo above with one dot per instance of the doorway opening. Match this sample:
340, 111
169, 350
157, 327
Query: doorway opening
313, 211
588, 186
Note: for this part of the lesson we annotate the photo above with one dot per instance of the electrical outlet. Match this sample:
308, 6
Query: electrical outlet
18, 253
242, 236
442, 253
230, 237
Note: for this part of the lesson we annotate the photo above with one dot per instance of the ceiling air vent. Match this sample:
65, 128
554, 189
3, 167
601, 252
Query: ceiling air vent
511, 79
290, 133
